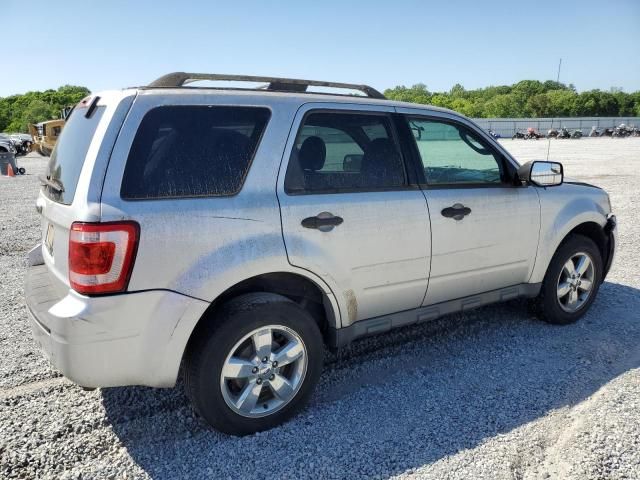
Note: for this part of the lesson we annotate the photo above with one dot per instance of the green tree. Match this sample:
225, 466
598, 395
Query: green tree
538, 105
36, 111
504, 106
561, 103
17, 111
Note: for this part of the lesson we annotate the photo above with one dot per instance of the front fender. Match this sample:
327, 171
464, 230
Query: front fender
561, 212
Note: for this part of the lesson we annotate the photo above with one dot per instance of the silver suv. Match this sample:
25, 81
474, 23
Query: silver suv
236, 233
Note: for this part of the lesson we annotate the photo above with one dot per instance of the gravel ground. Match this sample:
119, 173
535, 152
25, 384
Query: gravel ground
493, 393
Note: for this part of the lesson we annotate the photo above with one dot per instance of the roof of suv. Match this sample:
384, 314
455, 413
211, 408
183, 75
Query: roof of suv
176, 83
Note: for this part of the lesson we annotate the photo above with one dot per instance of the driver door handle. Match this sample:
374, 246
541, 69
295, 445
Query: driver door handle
457, 211
324, 221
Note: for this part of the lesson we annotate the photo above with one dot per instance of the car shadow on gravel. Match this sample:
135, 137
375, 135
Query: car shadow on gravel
399, 401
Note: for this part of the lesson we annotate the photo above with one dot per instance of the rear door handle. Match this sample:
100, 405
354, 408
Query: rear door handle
457, 211
324, 221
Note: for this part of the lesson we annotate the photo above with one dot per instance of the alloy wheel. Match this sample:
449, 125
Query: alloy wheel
263, 371
575, 282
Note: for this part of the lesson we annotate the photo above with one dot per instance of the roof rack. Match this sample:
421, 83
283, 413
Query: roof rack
179, 79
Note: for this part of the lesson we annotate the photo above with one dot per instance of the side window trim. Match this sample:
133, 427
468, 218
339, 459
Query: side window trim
411, 155
503, 163
397, 138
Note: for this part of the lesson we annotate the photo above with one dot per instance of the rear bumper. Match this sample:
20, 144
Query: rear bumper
129, 339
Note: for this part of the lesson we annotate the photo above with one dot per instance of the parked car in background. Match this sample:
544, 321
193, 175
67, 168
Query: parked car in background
22, 142
236, 233
7, 145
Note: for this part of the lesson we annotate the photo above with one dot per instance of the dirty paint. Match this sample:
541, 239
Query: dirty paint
352, 305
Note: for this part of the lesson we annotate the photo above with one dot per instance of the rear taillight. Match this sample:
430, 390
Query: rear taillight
101, 256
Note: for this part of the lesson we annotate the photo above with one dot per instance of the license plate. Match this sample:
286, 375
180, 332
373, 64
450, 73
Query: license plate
48, 239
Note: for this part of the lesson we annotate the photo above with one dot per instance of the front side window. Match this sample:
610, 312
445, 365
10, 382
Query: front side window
453, 155
192, 151
340, 151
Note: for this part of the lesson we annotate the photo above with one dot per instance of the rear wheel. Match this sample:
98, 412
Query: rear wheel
256, 365
571, 282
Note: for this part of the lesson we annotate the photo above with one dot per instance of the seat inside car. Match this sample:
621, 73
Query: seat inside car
381, 164
311, 157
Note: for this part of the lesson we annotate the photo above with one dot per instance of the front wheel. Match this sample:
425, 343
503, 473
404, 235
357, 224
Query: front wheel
571, 282
255, 365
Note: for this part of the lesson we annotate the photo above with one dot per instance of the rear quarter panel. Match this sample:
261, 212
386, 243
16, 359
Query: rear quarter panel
202, 246
85, 206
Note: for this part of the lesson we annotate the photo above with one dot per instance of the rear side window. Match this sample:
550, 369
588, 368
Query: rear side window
192, 151
67, 158
340, 151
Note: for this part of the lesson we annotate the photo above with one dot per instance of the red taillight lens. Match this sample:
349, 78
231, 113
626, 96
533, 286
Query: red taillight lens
92, 258
101, 256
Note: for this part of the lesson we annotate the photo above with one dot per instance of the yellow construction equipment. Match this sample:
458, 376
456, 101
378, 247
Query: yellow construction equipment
45, 135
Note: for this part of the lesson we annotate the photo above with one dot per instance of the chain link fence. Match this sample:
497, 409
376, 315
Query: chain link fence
507, 127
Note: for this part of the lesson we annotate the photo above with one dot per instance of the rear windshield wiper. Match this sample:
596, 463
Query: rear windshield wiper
54, 185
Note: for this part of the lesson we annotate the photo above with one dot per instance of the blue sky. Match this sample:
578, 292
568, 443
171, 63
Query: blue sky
113, 44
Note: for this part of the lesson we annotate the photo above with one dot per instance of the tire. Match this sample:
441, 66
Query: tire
559, 311
21, 171
218, 400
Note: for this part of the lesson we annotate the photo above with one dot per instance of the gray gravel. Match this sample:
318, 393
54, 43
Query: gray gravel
490, 394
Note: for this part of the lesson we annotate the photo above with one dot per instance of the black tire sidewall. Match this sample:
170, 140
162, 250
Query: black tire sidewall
234, 321
550, 308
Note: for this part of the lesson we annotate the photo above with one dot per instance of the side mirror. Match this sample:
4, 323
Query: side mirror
542, 174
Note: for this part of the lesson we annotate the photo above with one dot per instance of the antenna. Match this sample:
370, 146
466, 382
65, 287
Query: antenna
552, 118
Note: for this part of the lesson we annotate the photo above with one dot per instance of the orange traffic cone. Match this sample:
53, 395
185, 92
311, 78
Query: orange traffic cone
10, 172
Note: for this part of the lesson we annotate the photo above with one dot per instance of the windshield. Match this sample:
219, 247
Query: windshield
68, 155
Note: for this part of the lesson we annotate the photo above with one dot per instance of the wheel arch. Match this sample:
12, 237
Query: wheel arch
591, 229
301, 289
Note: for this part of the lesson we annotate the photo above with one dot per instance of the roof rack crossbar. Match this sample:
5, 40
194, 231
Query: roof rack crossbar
179, 79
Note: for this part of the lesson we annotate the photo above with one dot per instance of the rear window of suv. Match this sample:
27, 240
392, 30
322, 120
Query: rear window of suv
67, 158
192, 151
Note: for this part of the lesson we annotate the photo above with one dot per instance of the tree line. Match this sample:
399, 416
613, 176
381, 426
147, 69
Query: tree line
527, 98
17, 111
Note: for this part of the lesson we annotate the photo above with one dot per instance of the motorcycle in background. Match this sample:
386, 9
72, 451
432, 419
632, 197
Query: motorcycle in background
566, 133
533, 134
625, 131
